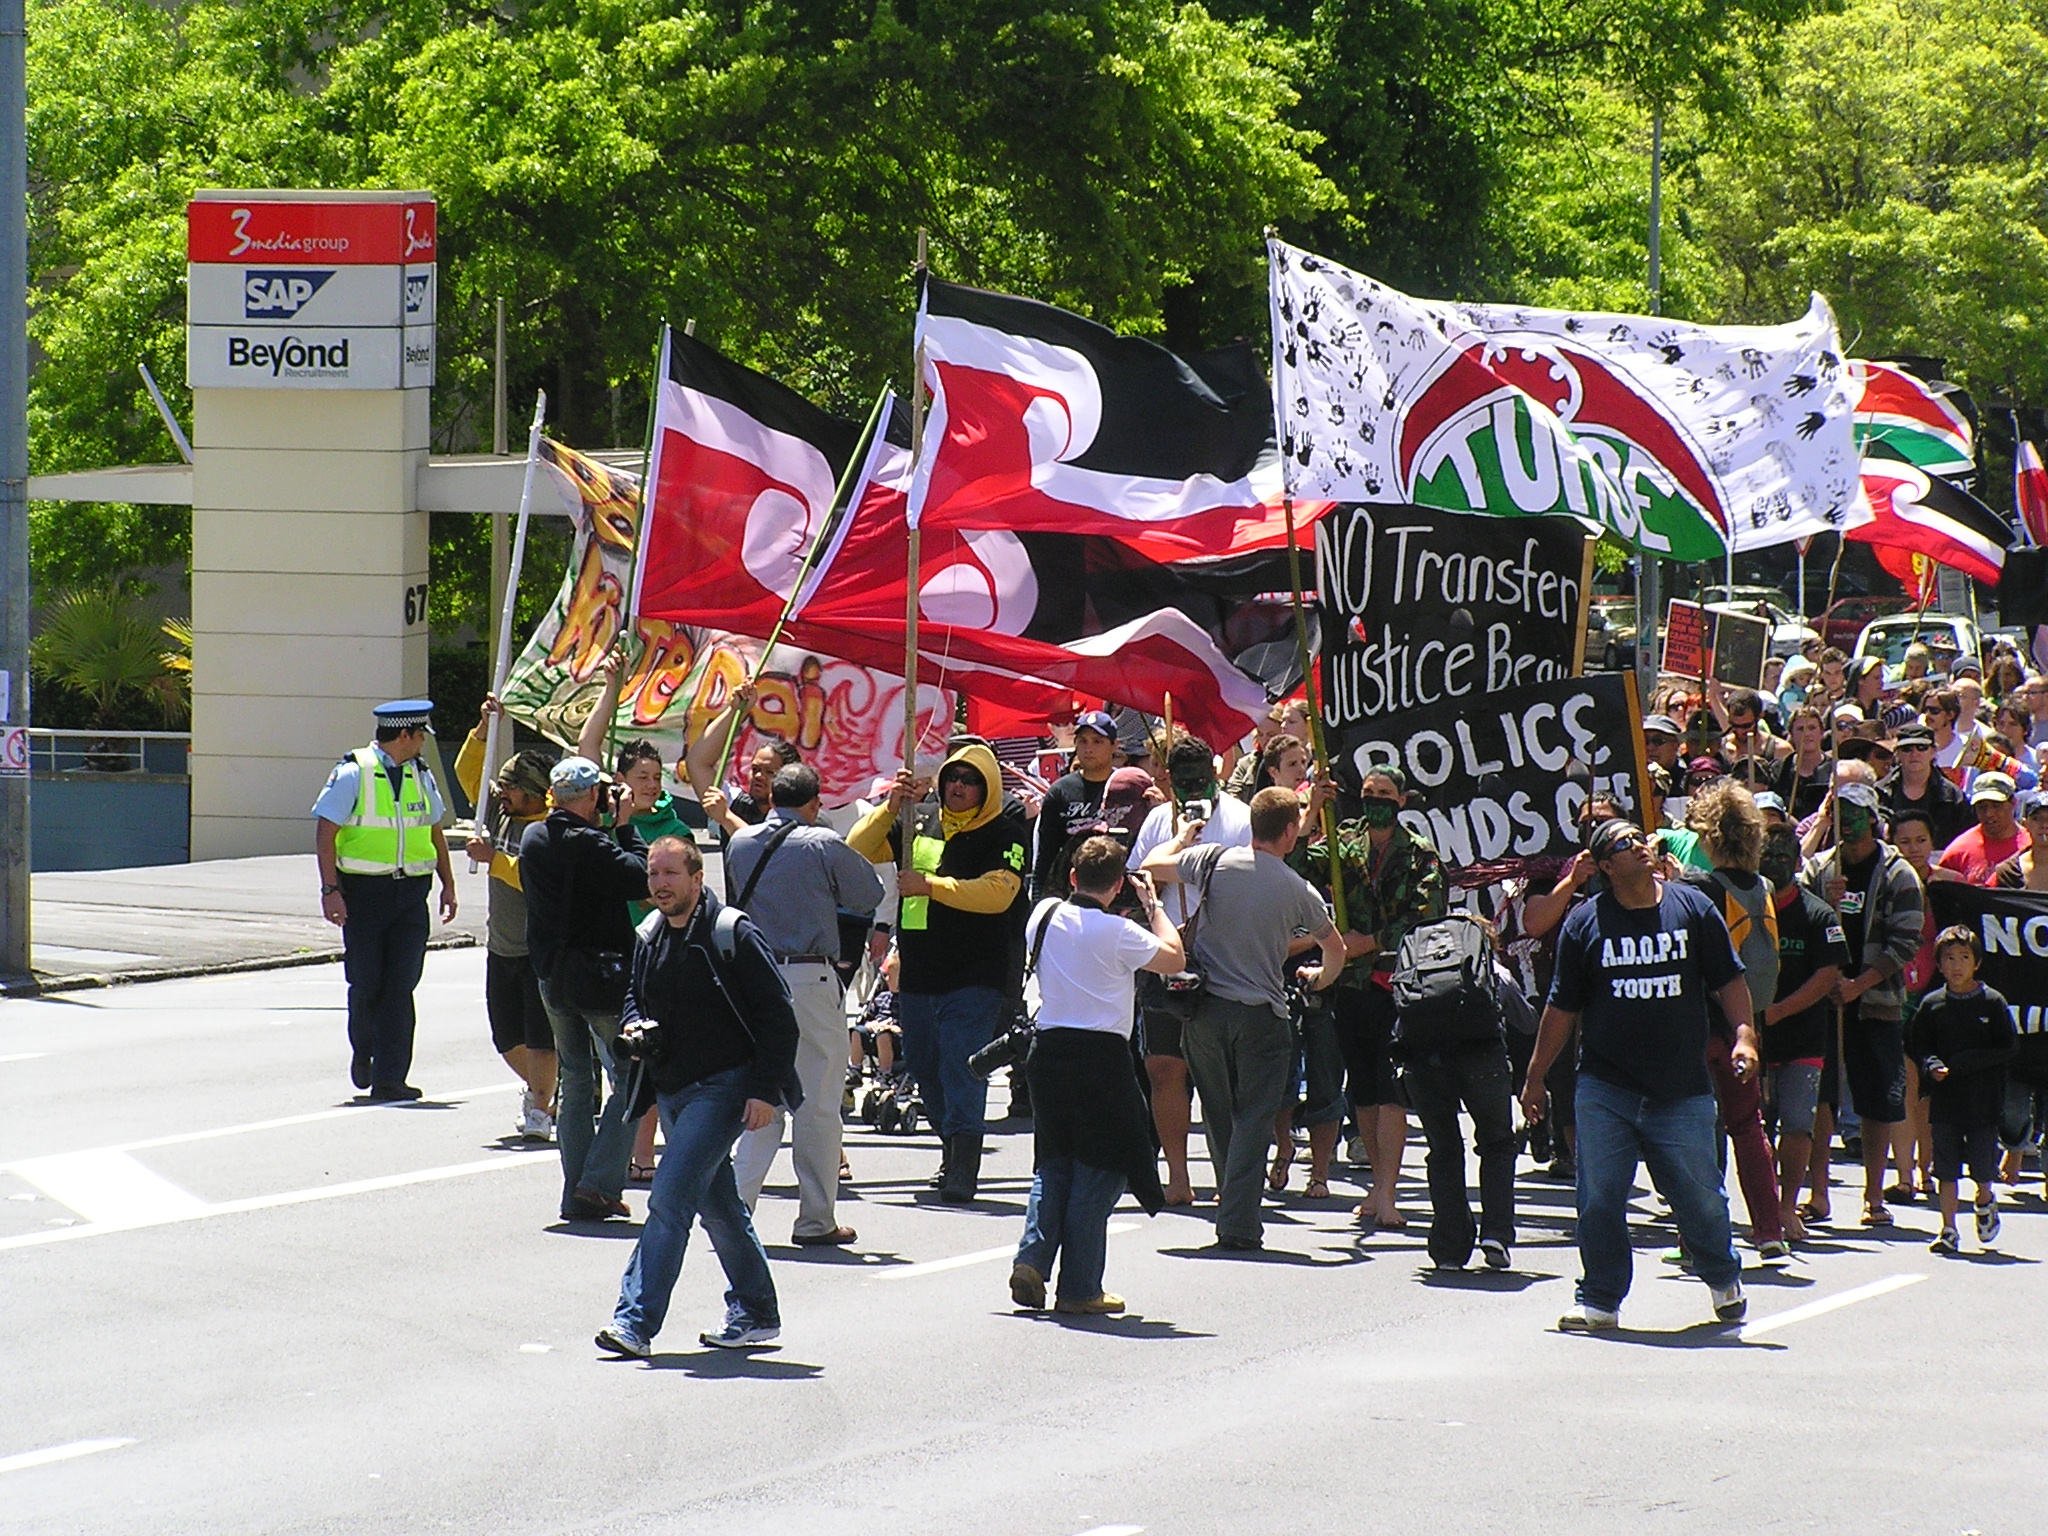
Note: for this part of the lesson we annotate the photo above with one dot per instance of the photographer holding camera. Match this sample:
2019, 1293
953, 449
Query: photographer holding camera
710, 1025
1093, 1136
579, 868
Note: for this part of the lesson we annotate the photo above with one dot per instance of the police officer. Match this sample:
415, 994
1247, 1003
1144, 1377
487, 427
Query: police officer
379, 846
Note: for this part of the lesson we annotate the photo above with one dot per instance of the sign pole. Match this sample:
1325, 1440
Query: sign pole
511, 592
14, 594
1315, 711
913, 567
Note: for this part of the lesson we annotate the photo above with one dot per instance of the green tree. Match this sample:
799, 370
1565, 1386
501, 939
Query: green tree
1898, 163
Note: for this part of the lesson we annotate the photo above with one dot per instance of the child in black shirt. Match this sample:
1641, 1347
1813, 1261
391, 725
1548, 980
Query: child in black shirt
1962, 1037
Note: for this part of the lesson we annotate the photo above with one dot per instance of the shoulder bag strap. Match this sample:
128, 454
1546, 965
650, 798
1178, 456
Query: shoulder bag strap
1187, 932
775, 841
1047, 908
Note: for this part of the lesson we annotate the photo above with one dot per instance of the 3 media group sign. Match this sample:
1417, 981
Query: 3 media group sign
311, 290
1505, 777
1422, 608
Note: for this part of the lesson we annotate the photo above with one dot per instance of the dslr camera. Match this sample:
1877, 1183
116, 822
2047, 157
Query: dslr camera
1007, 1050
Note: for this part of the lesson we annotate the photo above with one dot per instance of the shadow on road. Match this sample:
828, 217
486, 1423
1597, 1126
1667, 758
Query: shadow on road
1482, 1279
728, 1365
1127, 1325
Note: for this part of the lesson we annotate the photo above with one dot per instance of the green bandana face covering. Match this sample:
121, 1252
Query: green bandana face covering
1781, 857
1378, 811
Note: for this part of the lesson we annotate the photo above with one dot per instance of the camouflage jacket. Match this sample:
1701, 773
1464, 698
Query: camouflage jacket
1384, 895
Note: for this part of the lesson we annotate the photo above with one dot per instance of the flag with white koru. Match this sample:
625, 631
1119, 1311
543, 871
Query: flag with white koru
1685, 440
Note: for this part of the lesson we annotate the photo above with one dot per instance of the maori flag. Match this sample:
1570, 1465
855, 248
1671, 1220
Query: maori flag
1686, 440
1913, 418
1926, 515
1044, 422
739, 497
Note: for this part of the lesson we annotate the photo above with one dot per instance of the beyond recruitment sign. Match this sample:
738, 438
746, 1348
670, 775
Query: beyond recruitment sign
311, 290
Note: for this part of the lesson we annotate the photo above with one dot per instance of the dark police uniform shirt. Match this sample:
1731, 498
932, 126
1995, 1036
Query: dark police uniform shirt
1639, 980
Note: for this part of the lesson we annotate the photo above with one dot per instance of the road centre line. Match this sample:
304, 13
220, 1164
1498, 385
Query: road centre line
1113, 1530
109, 1189
1826, 1304
289, 1197
23, 1056
44, 1457
962, 1260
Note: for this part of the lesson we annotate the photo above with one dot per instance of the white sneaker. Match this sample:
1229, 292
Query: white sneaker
525, 1122
1730, 1304
1585, 1319
1988, 1223
537, 1125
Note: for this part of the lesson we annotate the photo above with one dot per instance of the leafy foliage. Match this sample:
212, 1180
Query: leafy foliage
102, 644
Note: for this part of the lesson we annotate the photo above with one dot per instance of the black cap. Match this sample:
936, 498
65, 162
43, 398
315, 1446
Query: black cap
1609, 833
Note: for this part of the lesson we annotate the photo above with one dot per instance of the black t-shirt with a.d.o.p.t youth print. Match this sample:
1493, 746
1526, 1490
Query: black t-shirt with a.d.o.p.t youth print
1639, 979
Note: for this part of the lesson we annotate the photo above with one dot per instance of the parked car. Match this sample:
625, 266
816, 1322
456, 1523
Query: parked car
1789, 632
1741, 594
1844, 622
1611, 633
1946, 634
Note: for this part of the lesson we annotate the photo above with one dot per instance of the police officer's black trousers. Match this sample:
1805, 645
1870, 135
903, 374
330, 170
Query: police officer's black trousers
385, 939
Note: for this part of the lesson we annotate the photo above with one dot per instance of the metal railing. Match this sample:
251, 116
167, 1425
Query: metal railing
165, 752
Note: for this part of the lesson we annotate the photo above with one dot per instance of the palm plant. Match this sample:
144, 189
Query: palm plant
100, 641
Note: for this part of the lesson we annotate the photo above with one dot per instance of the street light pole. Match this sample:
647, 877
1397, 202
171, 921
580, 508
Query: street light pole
14, 884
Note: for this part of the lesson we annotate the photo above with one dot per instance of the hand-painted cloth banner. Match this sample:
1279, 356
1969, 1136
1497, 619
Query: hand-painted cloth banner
2012, 935
1683, 439
846, 720
1425, 608
1495, 776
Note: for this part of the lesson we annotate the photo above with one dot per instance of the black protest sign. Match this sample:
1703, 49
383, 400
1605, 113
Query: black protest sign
2012, 932
1426, 608
1736, 646
1495, 777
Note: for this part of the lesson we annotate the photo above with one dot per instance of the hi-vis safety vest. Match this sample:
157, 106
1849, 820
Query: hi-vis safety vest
914, 912
386, 833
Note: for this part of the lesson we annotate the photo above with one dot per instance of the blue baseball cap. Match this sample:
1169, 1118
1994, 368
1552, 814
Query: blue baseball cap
575, 775
1100, 721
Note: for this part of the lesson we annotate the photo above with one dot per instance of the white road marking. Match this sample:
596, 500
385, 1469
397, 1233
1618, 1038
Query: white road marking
1826, 1304
1113, 1530
110, 1189
52, 1453
23, 1056
982, 1256
290, 1197
41, 952
535, 1349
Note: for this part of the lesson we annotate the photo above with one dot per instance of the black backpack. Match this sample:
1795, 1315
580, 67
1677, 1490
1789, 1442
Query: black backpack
1444, 988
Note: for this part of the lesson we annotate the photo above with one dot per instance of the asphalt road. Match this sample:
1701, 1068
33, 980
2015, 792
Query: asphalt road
235, 1303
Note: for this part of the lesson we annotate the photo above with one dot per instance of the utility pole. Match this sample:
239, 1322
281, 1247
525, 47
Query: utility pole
1656, 210
1649, 593
500, 556
14, 884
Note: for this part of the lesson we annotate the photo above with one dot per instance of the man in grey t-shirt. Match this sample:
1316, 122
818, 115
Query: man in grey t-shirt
1239, 1045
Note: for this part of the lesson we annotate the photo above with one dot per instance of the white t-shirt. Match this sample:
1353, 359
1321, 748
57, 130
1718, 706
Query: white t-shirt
1229, 826
1087, 968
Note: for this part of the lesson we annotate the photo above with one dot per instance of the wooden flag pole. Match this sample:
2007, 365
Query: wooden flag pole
504, 667
912, 567
1315, 714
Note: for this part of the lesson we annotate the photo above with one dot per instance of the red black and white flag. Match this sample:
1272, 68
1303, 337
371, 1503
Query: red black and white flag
1926, 515
739, 498
2030, 493
1042, 421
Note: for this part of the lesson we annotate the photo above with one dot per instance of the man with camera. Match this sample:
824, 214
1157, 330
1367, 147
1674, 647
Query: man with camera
1092, 1134
579, 868
714, 1041
794, 877
1240, 1042
1221, 821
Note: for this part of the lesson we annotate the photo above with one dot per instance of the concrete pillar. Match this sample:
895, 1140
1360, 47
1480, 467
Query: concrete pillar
309, 553
309, 573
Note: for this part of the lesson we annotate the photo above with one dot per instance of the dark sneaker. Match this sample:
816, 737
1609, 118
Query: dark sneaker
1730, 1305
1240, 1244
394, 1093
359, 1069
1494, 1251
741, 1333
1987, 1223
624, 1345
1948, 1245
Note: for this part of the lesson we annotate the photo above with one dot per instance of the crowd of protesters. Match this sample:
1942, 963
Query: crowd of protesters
1742, 969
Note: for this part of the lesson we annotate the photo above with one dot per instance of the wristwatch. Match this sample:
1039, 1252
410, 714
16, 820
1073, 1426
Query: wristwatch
330, 890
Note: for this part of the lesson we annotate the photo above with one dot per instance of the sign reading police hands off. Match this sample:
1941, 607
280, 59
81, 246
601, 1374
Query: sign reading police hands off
311, 291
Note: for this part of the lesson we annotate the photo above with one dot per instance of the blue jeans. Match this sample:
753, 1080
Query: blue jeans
594, 1146
940, 1031
1068, 1217
1677, 1139
693, 1181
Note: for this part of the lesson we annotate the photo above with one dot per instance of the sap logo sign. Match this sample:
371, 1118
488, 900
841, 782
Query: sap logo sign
279, 295
416, 287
